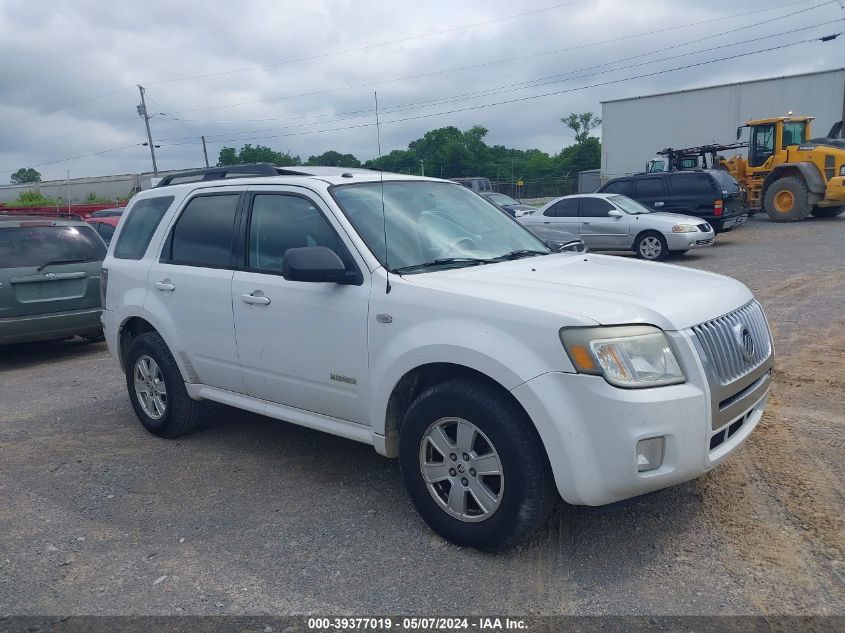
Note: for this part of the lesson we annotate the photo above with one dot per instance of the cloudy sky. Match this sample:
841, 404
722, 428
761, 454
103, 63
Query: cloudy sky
300, 75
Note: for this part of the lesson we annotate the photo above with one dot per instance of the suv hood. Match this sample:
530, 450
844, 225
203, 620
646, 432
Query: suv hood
600, 289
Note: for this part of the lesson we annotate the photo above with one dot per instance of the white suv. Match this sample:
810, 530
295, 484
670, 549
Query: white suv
500, 374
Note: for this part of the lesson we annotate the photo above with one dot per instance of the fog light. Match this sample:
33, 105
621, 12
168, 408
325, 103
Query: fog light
649, 454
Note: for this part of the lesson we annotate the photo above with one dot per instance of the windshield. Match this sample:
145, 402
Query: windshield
500, 198
426, 221
37, 244
629, 206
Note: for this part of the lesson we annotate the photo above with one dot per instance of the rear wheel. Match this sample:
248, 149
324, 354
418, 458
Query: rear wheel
157, 389
474, 467
828, 212
786, 200
651, 246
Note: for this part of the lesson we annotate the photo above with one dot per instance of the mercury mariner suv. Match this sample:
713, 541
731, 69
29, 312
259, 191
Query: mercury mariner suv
412, 315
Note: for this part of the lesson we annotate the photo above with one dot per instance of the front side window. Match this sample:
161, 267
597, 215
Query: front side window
204, 233
762, 144
594, 208
651, 188
37, 244
427, 221
279, 222
691, 184
138, 228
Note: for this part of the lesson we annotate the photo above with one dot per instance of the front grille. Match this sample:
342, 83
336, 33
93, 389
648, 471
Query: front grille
704, 227
725, 342
707, 242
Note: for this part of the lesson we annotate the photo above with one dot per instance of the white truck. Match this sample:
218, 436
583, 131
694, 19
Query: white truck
412, 315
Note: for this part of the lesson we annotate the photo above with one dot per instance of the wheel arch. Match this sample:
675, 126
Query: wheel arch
808, 172
134, 326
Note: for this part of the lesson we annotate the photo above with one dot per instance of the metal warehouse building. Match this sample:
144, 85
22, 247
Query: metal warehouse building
634, 129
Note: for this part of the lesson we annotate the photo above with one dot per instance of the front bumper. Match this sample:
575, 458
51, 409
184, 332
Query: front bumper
686, 241
50, 326
590, 430
835, 193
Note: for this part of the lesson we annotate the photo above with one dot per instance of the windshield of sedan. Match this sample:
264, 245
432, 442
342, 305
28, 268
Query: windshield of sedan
430, 225
629, 206
500, 198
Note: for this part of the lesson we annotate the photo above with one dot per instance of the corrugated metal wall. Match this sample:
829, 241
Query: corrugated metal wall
634, 129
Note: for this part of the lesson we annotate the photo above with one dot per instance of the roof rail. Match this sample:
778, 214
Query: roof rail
219, 173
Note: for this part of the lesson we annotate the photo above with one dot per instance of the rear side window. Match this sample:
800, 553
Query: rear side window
566, 208
139, 227
595, 208
36, 245
691, 184
619, 186
651, 188
204, 233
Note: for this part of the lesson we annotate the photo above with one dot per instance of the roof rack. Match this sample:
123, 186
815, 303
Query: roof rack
219, 173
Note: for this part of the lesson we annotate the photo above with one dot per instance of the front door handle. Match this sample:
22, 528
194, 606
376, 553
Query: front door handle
256, 298
658, 204
584, 222
165, 285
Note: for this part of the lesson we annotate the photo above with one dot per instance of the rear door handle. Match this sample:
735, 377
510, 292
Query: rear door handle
658, 204
256, 298
165, 285
583, 222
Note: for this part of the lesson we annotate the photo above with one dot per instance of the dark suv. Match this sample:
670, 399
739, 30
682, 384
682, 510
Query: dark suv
710, 194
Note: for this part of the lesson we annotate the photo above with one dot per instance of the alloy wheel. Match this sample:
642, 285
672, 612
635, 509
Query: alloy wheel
150, 387
650, 247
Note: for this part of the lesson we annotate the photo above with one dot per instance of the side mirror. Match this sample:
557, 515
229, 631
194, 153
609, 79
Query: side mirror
317, 264
738, 132
615, 213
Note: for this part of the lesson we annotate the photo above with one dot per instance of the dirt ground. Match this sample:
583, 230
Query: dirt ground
253, 516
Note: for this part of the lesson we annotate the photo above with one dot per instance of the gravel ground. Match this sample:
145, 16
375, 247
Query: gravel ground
253, 516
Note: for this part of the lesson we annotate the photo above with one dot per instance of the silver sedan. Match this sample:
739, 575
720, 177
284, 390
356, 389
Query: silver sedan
612, 222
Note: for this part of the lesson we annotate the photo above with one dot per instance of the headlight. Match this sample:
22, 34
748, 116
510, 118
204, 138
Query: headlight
632, 356
842, 170
684, 228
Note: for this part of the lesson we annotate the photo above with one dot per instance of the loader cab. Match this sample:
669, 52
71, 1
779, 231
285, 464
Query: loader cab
769, 136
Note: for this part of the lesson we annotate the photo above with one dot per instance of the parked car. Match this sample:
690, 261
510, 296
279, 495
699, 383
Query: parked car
476, 183
710, 194
107, 213
513, 207
49, 279
104, 225
410, 314
611, 222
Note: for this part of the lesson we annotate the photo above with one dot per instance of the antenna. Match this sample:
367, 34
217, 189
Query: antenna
383, 214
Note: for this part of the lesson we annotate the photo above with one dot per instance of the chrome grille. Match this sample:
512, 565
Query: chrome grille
721, 340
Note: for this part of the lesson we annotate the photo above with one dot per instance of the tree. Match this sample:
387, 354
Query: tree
24, 175
332, 158
581, 124
257, 154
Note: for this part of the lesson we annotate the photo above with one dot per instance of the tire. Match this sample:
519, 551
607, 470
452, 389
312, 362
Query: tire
651, 246
786, 200
519, 499
178, 413
828, 212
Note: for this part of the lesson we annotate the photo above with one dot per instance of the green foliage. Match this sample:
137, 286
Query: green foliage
581, 124
32, 199
24, 175
334, 159
257, 154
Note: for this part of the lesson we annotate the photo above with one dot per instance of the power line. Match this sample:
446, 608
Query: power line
505, 60
525, 98
64, 160
369, 46
534, 83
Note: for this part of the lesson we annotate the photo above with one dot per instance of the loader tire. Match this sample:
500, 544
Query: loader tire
786, 200
828, 212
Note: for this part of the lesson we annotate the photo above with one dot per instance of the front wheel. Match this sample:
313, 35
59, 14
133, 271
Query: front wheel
474, 466
786, 200
651, 246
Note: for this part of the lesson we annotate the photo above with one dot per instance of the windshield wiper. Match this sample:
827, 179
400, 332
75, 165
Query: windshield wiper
61, 261
525, 252
470, 261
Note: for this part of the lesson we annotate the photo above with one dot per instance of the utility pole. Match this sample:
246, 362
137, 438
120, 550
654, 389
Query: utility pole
142, 110
204, 151
68, 191
422, 167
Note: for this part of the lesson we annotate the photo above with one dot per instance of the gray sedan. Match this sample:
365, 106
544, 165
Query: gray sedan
612, 222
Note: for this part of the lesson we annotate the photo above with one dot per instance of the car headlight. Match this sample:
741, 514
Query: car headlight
631, 356
842, 170
684, 228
